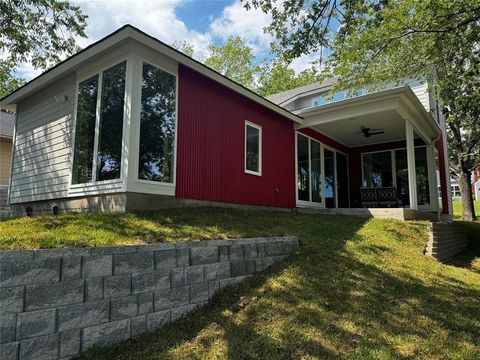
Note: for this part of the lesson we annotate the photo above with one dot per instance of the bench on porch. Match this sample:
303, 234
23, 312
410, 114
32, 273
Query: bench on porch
379, 196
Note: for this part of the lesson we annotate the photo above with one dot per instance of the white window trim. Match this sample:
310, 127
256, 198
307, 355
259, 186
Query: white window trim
138, 98
97, 187
259, 128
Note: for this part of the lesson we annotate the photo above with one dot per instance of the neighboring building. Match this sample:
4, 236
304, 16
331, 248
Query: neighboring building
7, 122
476, 183
131, 123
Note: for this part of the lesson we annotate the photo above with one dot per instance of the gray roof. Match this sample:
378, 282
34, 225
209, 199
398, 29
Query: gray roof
281, 97
7, 122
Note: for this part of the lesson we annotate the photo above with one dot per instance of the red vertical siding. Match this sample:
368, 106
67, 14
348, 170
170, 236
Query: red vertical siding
443, 175
210, 150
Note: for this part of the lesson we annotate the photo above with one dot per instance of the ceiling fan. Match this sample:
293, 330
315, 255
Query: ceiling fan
367, 132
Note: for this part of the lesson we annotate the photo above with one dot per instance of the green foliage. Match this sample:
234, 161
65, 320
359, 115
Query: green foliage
184, 47
234, 60
276, 77
38, 32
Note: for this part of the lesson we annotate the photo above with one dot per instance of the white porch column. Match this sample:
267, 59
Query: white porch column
412, 176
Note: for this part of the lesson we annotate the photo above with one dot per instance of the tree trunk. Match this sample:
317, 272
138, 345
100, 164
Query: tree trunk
468, 209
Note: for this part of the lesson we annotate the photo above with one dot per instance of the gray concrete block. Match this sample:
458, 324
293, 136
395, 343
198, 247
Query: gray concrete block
133, 263
138, 325
165, 259
223, 253
39, 348
203, 255
213, 287
151, 281
13, 273
194, 274
55, 294
97, 266
236, 252
158, 319
250, 251
93, 289
105, 334
36, 323
145, 303
156, 247
110, 250
123, 308
70, 343
217, 271
258, 264
177, 277
231, 281
16, 255
182, 311
71, 268
183, 257
11, 300
61, 253
117, 286
267, 262
9, 351
238, 267
274, 248
171, 298
83, 315
199, 292
8, 325
260, 249
279, 258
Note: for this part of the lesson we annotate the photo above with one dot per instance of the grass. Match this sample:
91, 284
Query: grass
356, 289
457, 208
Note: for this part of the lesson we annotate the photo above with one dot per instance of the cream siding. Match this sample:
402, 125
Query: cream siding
5, 161
43, 144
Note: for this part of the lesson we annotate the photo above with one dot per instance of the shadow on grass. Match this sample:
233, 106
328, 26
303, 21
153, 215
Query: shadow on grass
356, 289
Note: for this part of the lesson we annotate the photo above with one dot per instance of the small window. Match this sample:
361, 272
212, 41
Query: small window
253, 146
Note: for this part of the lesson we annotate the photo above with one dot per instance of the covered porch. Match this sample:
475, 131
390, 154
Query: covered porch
371, 155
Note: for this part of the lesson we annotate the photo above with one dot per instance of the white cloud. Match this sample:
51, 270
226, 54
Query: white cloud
158, 18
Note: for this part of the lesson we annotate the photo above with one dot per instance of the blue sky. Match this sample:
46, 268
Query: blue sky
200, 22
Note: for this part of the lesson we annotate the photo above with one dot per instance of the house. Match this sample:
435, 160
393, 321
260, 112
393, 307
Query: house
7, 121
130, 123
476, 183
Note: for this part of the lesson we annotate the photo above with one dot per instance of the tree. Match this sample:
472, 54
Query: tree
234, 60
383, 41
184, 47
39, 32
277, 76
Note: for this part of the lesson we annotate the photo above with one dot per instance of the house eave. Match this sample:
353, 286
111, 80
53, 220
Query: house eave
129, 32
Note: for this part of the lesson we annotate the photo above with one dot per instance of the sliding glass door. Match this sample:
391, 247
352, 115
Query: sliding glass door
318, 173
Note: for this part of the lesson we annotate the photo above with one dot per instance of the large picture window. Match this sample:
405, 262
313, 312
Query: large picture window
377, 169
109, 121
253, 148
157, 125
85, 131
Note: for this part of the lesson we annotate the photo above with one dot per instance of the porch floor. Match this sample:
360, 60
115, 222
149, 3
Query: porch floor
383, 213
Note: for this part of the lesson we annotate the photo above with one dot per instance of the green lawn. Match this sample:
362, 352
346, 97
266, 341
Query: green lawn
357, 289
457, 208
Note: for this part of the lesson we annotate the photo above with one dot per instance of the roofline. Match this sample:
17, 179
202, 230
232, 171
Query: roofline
129, 31
303, 93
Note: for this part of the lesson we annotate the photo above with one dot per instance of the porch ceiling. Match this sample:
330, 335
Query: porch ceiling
387, 110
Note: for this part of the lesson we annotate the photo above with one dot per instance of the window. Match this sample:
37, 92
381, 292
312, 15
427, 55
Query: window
309, 170
106, 163
377, 169
85, 131
157, 125
109, 152
253, 147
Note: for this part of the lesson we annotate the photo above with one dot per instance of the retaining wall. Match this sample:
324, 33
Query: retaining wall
445, 240
55, 303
